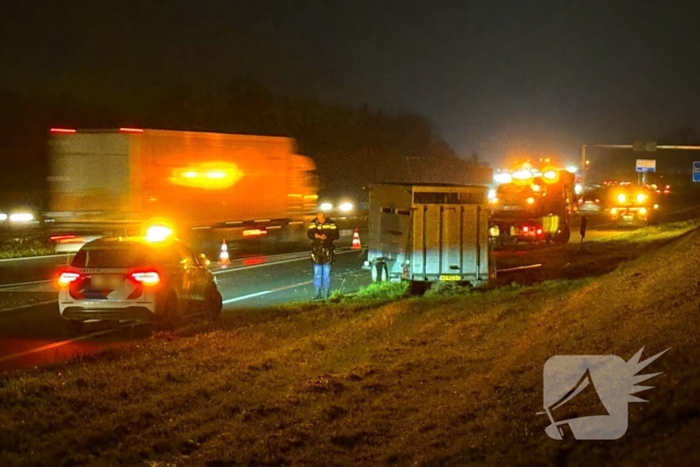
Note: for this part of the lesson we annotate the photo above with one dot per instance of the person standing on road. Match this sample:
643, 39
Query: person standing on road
323, 232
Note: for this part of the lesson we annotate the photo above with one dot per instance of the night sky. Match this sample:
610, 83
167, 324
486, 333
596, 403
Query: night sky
495, 77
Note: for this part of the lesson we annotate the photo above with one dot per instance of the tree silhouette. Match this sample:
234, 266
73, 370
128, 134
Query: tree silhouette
351, 145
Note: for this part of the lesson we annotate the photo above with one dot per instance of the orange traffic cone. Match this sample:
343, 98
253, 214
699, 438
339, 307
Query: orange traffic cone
356, 245
223, 256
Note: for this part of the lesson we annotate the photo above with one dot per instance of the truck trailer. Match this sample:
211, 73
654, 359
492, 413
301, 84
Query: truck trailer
207, 186
427, 233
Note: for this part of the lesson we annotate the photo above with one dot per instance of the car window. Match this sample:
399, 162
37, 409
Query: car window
112, 257
186, 256
168, 257
513, 188
511, 193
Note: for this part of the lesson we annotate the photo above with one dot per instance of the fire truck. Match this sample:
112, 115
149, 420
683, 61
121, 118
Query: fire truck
533, 206
632, 205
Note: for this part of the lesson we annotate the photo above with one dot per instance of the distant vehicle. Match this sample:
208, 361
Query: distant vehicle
140, 279
207, 186
666, 189
426, 233
533, 206
18, 219
632, 206
592, 202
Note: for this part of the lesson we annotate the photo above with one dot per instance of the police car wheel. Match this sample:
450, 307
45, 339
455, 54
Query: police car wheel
213, 303
76, 326
167, 308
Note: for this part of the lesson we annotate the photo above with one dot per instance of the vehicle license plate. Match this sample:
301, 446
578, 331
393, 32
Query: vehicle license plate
106, 281
450, 278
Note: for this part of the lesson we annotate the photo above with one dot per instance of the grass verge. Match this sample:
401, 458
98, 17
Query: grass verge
10, 300
592, 258
21, 247
454, 378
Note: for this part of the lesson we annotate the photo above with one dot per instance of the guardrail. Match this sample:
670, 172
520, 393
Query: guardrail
19, 233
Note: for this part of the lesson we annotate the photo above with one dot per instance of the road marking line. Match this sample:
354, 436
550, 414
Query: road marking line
253, 266
306, 257
264, 292
54, 345
24, 258
221, 271
31, 305
242, 268
520, 268
21, 284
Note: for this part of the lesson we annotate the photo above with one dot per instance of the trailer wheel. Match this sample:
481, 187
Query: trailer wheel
418, 288
380, 273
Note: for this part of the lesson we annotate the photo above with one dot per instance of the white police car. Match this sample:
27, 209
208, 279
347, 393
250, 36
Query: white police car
136, 278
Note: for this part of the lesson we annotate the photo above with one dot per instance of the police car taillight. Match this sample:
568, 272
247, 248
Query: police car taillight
67, 278
146, 277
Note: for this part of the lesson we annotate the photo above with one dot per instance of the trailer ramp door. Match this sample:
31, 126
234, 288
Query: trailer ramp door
447, 242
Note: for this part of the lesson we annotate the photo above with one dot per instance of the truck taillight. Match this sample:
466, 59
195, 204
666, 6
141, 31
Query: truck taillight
63, 130
146, 277
67, 278
526, 229
254, 232
539, 231
131, 130
58, 238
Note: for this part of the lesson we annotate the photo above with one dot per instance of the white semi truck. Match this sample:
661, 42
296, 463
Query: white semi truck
208, 186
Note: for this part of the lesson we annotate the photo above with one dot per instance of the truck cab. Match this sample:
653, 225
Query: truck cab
534, 206
632, 205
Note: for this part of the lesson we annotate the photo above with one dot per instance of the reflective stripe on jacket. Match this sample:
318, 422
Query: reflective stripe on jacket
328, 228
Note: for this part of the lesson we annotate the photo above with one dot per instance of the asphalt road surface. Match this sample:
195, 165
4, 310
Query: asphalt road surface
36, 334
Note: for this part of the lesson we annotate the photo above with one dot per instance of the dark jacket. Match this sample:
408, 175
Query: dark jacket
322, 250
